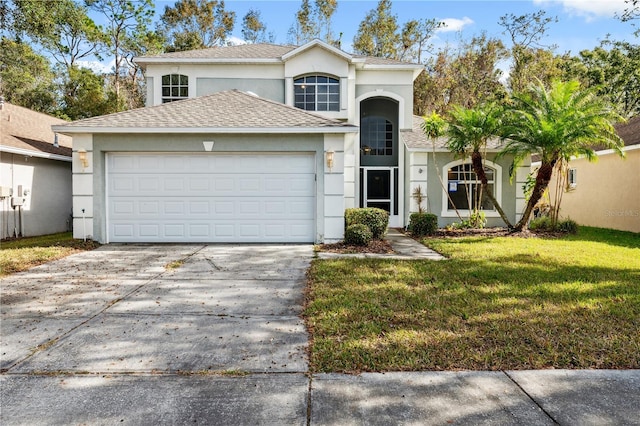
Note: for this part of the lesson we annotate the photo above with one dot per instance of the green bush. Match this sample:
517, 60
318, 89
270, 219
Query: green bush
358, 234
421, 224
377, 220
542, 223
569, 226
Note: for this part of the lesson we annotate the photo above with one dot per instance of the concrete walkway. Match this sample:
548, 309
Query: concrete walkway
211, 334
405, 248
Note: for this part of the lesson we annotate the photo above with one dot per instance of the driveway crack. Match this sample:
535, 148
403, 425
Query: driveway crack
515, 382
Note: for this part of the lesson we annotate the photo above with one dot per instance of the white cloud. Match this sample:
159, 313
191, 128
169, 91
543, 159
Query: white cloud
97, 66
454, 24
589, 9
235, 41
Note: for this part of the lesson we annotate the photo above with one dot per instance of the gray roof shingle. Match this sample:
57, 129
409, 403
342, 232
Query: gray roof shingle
247, 52
230, 110
29, 130
416, 139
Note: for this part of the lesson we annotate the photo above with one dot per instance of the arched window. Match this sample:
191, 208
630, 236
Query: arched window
174, 87
464, 191
317, 93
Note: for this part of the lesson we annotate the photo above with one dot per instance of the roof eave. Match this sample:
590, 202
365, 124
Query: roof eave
195, 61
38, 154
211, 130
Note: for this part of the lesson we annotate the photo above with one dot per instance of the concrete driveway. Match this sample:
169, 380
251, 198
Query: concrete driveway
211, 334
196, 313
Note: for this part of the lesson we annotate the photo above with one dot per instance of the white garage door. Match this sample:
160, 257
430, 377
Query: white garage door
211, 197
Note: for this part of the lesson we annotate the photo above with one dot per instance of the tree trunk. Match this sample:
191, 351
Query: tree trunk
478, 168
542, 183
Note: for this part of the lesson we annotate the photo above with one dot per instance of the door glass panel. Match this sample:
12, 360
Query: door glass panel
378, 185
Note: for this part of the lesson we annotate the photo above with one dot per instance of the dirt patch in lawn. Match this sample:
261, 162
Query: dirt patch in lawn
375, 246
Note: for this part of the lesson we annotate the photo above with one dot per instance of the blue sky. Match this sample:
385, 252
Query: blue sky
582, 24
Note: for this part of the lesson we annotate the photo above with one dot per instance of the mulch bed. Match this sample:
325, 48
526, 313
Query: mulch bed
375, 246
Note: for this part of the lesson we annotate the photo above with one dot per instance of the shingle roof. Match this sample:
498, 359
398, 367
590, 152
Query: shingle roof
24, 129
230, 110
248, 52
243, 51
630, 131
416, 139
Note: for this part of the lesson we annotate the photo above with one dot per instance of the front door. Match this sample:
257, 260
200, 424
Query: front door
379, 188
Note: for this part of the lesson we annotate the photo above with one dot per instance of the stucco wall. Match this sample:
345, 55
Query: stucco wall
607, 194
272, 89
89, 184
47, 206
423, 171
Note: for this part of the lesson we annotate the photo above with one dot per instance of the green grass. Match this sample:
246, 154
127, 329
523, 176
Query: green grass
24, 253
496, 303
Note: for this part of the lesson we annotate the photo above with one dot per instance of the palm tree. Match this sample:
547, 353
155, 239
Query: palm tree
557, 123
469, 131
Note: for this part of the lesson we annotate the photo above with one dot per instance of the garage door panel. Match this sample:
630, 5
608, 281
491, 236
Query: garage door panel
211, 197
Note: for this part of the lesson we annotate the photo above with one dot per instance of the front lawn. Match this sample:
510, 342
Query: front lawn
24, 253
497, 303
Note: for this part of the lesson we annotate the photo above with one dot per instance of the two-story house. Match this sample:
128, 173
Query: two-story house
264, 143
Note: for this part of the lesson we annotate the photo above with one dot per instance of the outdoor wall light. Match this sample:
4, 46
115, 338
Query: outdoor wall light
329, 155
82, 156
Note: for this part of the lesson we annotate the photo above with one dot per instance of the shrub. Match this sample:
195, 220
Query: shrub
358, 234
569, 226
377, 220
421, 224
542, 223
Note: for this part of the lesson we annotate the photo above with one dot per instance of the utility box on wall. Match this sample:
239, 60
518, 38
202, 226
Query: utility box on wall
5, 191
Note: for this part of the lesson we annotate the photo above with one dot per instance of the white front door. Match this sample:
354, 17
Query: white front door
211, 197
380, 189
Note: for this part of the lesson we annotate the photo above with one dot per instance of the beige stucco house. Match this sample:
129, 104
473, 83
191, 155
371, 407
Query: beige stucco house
265, 143
35, 174
606, 193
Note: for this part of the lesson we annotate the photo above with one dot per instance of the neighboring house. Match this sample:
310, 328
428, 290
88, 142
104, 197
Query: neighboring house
35, 174
606, 193
267, 143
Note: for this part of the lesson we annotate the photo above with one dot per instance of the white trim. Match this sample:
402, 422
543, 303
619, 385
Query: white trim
497, 184
598, 153
215, 130
21, 151
196, 61
430, 150
382, 94
312, 44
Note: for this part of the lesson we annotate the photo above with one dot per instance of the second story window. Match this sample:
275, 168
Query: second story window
317, 93
174, 87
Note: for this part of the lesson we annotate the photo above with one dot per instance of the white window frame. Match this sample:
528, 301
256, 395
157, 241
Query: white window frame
179, 86
497, 185
315, 85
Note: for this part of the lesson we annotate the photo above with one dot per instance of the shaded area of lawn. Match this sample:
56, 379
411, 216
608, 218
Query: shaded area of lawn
24, 253
497, 303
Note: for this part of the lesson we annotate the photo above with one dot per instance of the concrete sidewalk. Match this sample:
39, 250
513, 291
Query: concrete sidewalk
212, 334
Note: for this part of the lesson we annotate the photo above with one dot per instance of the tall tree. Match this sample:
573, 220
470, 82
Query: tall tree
253, 29
62, 28
632, 11
26, 78
84, 95
378, 33
468, 131
467, 76
556, 123
614, 68
314, 21
127, 19
414, 38
526, 33
196, 24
